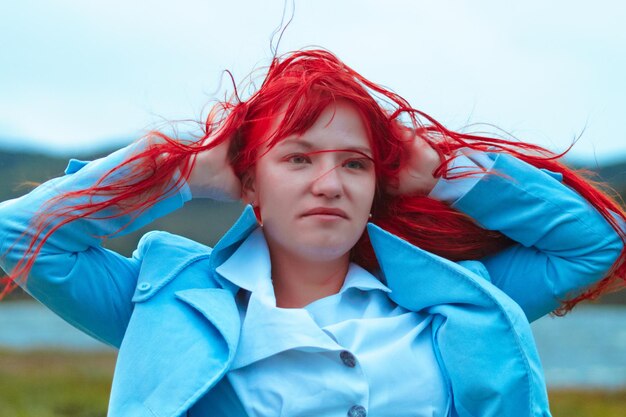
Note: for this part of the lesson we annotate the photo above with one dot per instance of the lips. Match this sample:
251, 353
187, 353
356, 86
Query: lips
326, 211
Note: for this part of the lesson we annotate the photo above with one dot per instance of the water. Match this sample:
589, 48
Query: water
29, 325
585, 349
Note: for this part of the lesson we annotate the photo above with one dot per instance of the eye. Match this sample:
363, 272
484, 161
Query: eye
298, 159
356, 163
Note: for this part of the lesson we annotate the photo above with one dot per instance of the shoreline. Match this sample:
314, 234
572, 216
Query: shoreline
53, 383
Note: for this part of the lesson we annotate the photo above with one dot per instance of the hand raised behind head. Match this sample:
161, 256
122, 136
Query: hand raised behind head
416, 177
212, 175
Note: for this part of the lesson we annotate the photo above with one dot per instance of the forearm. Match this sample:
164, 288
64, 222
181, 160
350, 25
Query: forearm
565, 245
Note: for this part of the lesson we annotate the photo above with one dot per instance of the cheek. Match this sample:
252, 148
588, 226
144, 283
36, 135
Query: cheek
365, 191
276, 192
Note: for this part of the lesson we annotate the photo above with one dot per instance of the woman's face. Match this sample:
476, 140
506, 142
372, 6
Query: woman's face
315, 191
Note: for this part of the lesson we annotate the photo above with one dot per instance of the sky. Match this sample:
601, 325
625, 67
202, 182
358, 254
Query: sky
80, 75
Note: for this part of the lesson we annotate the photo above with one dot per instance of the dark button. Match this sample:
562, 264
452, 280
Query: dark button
357, 411
347, 358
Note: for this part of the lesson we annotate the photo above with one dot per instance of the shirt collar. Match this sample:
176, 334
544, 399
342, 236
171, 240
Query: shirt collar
267, 329
249, 267
359, 278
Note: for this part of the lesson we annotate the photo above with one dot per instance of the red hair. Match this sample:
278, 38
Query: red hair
303, 84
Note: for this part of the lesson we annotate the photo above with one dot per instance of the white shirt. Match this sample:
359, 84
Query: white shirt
354, 353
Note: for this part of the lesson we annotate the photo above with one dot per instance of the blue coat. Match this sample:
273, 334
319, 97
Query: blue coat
176, 323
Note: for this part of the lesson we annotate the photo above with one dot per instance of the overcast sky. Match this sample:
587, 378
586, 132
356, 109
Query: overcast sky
77, 75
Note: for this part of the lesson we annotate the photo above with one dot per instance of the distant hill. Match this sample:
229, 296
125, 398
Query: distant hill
615, 175
201, 220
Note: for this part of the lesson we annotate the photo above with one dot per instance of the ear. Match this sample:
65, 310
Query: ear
248, 187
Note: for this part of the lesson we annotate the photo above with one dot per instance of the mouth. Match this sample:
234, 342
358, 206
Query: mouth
326, 212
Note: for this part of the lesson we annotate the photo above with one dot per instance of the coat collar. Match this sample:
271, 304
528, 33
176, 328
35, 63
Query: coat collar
395, 256
438, 280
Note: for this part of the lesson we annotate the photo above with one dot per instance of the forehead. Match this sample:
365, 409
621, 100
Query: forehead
339, 126
300, 144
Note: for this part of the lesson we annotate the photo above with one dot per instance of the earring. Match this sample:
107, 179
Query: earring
370, 215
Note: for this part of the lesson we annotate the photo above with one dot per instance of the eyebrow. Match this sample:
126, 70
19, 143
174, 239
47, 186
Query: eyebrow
308, 145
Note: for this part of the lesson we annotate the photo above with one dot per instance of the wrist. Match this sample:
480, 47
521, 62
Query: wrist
467, 168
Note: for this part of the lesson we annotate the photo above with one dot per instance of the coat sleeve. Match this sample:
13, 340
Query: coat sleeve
87, 285
563, 244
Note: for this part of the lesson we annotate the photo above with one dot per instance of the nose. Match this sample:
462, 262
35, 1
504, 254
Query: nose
328, 184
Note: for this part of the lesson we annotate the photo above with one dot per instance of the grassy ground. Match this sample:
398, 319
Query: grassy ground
54, 384
588, 403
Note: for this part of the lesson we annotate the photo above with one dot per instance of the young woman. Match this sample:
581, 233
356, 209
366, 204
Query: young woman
384, 265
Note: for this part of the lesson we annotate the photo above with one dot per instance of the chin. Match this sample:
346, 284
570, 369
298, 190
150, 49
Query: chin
315, 245
323, 251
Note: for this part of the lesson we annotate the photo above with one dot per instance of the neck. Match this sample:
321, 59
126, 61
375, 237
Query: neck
298, 282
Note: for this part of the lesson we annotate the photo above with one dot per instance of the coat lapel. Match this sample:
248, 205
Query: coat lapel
481, 336
178, 345
184, 331
182, 336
